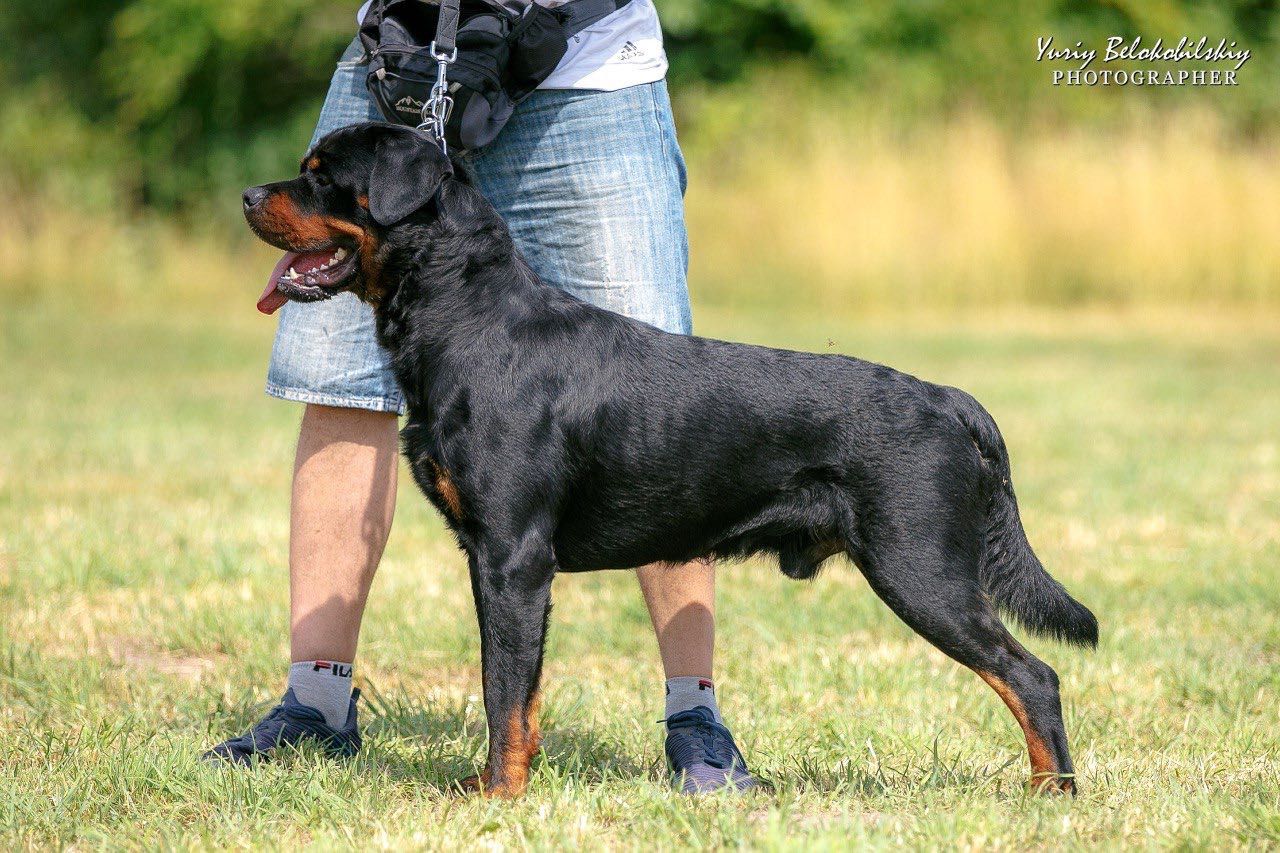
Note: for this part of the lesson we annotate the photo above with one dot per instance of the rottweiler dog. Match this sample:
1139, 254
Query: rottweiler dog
557, 436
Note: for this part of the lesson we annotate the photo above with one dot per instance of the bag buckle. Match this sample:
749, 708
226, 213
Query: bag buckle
439, 105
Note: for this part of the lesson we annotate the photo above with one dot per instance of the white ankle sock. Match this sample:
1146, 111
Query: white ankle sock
324, 685
685, 692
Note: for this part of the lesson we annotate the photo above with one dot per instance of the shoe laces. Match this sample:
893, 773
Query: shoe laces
715, 742
277, 718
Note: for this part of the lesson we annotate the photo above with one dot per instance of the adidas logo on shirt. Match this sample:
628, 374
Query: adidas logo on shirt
630, 51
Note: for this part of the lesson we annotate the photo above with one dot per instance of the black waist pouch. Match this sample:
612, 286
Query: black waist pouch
502, 57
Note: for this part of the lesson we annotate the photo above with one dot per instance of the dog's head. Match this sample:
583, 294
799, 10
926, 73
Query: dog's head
354, 187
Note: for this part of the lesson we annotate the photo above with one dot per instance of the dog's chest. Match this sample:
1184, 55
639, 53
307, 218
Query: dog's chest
434, 479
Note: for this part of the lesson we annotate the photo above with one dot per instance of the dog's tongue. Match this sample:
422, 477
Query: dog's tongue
271, 299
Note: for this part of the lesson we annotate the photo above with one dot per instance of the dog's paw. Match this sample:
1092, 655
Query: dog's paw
1052, 785
482, 786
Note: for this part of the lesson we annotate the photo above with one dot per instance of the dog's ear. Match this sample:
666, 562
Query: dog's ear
408, 168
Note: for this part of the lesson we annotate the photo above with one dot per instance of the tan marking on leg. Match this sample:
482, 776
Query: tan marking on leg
510, 778
515, 755
533, 726
1044, 768
447, 490
524, 739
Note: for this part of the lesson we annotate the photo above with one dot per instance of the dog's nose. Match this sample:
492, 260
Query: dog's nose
253, 197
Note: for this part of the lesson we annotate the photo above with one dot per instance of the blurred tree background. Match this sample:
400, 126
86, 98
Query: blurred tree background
137, 108
183, 99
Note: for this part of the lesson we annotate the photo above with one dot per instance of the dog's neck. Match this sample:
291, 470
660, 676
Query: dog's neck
456, 282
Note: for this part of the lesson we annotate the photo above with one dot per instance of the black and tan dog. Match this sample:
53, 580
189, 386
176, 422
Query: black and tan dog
556, 436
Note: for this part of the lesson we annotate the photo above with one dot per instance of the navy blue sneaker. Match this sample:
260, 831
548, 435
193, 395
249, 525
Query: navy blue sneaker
288, 724
703, 756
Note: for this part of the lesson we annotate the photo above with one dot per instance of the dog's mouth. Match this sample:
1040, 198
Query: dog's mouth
308, 277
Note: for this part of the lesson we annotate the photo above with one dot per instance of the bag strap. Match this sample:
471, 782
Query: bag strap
447, 25
577, 15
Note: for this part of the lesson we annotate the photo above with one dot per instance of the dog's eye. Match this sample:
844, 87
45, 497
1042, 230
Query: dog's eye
321, 179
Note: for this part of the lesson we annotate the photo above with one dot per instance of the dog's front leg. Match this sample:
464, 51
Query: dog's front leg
511, 582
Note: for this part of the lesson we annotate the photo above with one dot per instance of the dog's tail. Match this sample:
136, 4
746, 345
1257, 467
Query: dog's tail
1012, 574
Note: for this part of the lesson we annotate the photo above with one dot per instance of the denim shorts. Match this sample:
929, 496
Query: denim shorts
591, 185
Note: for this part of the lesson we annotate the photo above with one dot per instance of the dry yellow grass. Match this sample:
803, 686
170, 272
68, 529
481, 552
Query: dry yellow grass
848, 211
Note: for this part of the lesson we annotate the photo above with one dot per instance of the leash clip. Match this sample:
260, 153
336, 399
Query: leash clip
439, 105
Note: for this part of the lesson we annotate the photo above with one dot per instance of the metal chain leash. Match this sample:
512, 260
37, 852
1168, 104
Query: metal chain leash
439, 105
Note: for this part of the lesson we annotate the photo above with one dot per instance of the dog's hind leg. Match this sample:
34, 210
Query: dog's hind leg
512, 589
940, 597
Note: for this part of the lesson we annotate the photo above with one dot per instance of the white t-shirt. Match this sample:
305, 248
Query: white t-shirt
624, 49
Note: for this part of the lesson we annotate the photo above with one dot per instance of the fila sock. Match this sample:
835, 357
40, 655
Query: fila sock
324, 685
686, 692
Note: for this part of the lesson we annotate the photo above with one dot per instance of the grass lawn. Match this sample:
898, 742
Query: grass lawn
143, 519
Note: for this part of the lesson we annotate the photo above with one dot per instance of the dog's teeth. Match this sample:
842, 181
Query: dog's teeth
340, 254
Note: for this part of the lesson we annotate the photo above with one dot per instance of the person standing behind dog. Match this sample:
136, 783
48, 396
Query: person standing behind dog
590, 180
